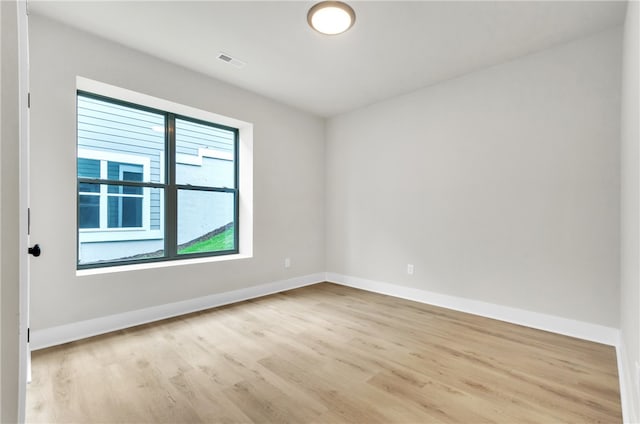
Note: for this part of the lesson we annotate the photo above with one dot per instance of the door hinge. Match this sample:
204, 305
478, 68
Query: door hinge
29, 100
28, 221
28, 335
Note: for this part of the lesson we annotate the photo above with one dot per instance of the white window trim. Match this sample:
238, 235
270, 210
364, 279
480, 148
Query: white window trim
104, 234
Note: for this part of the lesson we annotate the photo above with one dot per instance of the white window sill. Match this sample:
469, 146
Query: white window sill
163, 264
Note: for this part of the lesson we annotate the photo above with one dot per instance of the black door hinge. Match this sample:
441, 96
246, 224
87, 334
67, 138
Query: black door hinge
28, 335
29, 100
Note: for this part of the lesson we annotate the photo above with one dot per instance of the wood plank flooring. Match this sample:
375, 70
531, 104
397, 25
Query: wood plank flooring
326, 354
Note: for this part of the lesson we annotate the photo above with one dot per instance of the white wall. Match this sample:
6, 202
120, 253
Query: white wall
500, 186
9, 159
288, 181
630, 230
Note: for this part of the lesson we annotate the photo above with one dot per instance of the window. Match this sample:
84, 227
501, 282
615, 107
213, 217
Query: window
102, 207
152, 185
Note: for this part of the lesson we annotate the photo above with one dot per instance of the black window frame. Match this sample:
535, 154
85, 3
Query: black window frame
169, 186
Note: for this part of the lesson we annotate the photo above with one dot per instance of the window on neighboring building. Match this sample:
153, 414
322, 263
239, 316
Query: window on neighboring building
152, 185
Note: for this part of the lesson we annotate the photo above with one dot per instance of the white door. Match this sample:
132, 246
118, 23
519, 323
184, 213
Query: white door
23, 87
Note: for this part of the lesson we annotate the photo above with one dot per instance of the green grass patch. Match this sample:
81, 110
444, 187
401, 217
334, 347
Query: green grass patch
219, 242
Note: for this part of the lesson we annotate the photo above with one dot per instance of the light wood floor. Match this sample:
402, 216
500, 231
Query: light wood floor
326, 354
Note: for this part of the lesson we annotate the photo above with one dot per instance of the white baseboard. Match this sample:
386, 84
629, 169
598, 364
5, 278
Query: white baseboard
629, 397
568, 327
53, 336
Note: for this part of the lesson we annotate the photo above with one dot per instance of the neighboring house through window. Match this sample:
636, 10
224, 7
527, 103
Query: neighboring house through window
152, 185
102, 207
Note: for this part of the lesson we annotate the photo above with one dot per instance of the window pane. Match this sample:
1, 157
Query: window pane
132, 176
125, 172
124, 212
125, 206
88, 168
132, 226
131, 190
121, 132
88, 188
89, 211
205, 221
120, 171
124, 189
204, 155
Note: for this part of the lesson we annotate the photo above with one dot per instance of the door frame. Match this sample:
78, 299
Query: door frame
24, 364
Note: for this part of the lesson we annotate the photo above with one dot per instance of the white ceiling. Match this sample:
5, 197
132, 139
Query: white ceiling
394, 47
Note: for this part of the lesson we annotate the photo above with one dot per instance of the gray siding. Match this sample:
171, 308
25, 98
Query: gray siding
190, 136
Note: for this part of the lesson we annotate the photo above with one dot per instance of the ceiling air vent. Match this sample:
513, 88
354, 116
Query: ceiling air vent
231, 60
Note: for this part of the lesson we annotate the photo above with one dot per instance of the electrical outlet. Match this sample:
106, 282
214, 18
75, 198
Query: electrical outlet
287, 262
410, 269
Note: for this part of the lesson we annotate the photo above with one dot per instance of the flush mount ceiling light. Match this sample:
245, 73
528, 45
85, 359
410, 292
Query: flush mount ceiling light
331, 17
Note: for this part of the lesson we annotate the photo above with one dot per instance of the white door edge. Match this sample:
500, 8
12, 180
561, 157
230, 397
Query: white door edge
23, 118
